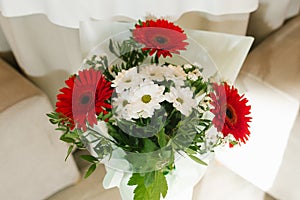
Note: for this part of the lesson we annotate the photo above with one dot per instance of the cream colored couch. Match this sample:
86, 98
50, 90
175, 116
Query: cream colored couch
32, 158
276, 61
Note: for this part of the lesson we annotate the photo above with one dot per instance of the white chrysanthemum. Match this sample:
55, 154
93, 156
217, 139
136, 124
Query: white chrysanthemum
119, 104
194, 75
176, 74
144, 99
153, 72
126, 79
182, 99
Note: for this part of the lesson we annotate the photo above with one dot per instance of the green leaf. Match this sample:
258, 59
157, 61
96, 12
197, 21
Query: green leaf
233, 142
135, 179
149, 178
162, 141
67, 139
141, 193
149, 186
100, 116
69, 151
90, 170
149, 146
64, 129
161, 183
198, 160
89, 158
190, 151
51, 115
53, 121
108, 115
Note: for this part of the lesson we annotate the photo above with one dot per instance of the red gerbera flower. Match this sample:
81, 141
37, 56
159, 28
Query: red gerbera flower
230, 112
84, 98
160, 36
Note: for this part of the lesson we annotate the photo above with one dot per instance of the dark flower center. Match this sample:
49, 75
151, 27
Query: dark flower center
230, 114
161, 40
85, 100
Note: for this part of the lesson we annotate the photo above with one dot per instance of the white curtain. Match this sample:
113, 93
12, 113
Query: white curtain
70, 12
271, 15
47, 53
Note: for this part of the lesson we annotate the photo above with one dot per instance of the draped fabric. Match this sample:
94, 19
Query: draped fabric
271, 15
69, 13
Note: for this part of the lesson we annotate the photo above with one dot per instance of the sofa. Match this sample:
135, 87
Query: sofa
32, 157
276, 61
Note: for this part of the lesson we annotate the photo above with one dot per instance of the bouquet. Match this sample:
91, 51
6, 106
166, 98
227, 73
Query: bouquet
145, 97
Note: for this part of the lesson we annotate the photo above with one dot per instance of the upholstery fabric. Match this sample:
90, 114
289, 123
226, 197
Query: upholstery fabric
276, 61
22, 88
32, 158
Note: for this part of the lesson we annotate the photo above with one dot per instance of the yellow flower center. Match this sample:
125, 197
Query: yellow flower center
146, 98
180, 100
125, 102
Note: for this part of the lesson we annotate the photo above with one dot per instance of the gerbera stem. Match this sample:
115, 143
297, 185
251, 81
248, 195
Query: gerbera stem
156, 59
171, 115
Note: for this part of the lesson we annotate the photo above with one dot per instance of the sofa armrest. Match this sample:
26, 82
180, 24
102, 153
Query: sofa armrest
276, 61
33, 165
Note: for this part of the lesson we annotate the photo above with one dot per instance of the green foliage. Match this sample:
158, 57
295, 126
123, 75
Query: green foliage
89, 158
70, 149
199, 85
69, 136
198, 160
76, 139
162, 138
186, 131
90, 170
129, 51
149, 186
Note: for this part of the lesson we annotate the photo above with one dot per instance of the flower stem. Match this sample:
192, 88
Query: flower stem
156, 59
97, 135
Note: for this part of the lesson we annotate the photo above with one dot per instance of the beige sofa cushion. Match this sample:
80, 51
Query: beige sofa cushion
13, 87
276, 61
32, 157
